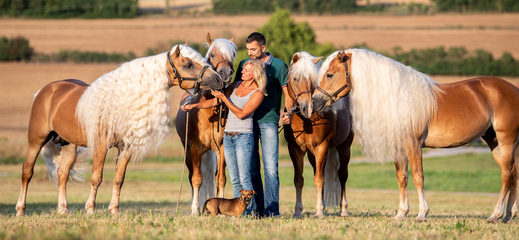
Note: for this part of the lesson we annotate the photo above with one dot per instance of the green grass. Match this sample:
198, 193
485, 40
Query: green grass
150, 192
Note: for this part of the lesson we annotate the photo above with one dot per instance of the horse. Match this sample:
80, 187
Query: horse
397, 110
326, 138
126, 108
205, 130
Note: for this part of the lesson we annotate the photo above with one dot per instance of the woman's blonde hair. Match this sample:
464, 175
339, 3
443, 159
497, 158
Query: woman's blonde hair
258, 71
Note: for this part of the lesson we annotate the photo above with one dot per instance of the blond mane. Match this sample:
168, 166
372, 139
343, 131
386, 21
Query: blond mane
130, 104
390, 103
225, 47
305, 67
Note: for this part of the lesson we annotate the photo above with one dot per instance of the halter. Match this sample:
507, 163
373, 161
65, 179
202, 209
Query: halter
333, 96
296, 105
180, 78
224, 60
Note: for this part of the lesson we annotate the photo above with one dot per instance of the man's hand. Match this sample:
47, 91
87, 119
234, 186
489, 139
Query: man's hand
286, 119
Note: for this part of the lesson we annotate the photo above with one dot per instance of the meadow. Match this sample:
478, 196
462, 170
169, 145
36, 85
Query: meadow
461, 191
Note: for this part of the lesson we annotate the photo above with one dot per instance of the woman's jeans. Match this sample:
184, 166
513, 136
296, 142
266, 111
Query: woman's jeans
238, 155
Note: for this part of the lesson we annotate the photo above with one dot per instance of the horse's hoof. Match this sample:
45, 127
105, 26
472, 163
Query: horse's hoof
344, 214
492, 220
400, 216
297, 215
63, 211
319, 215
507, 218
90, 211
114, 212
420, 219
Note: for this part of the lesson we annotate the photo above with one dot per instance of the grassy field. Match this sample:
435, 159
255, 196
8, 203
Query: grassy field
461, 191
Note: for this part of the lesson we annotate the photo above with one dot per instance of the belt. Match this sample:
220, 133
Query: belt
232, 134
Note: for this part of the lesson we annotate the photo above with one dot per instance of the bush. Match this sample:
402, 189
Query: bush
477, 5
15, 49
298, 6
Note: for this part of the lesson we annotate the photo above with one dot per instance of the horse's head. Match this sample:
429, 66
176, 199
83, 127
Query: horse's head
188, 69
220, 56
334, 81
302, 74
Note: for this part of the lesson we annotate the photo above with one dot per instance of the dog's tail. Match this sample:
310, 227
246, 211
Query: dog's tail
51, 153
332, 185
208, 168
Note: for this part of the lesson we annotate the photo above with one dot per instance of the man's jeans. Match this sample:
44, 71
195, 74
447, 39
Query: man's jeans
238, 155
266, 203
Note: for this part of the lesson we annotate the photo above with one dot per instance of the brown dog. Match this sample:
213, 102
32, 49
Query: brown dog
229, 207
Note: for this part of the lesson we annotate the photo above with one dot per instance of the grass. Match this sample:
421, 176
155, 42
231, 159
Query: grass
148, 202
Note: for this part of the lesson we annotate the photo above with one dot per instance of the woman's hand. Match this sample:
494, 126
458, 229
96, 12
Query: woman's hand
218, 94
187, 107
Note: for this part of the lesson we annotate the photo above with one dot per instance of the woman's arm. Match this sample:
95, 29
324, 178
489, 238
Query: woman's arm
205, 104
253, 103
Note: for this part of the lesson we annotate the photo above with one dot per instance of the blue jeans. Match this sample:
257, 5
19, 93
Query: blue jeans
267, 202
238, 154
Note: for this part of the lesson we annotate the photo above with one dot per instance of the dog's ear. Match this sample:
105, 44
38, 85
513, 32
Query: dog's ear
241, 191
253, 192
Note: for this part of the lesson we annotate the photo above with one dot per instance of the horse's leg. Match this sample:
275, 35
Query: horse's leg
68, 157
503, 155
120, 172
297, 157
414, 154
321, 154
195, 177
98, 163
401, 176
344, 156
220, 172
33, 149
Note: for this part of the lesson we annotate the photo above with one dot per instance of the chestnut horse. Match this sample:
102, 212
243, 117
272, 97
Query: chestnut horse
397, 110
205, 138
326, 137
126, 108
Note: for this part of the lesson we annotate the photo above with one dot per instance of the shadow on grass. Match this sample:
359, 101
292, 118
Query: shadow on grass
51, 207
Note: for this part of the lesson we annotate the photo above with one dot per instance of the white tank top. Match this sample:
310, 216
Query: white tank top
234, 124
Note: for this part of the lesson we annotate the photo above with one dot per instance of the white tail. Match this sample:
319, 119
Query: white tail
51, 153
208, 169
332, 185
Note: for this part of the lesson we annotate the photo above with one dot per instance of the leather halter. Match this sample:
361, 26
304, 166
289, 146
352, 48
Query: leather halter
224, 60
180, 78
333, 96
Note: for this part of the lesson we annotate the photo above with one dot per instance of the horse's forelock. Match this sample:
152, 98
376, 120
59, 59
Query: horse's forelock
225, 47
305, 67
190, 53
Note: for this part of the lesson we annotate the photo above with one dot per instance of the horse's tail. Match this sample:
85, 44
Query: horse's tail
332, 185
51, 153
208, 168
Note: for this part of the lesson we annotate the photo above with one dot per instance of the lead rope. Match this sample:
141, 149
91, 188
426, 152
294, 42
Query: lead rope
185, 154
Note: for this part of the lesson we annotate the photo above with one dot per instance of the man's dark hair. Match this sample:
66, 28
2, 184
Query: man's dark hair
258, 37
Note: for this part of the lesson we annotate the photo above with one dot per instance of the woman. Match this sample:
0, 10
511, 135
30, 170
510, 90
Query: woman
242, 98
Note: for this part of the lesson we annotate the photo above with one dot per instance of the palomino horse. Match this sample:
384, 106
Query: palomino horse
397, 110
205, 130
126, 108
326, 137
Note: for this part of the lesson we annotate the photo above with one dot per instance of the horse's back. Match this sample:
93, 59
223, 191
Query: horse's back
467, 109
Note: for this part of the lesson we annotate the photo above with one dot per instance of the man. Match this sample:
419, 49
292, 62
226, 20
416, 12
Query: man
265, 120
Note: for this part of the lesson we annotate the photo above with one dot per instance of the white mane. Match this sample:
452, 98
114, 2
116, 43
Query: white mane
390, 103
227, 49
130, 104
305, 67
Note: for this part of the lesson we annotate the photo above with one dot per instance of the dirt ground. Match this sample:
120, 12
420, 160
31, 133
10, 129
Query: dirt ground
19, 81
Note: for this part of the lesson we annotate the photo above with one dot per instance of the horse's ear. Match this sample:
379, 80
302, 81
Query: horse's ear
176, 53
232, 39
340, 57
209, 39
317, 60
295, 58
185, 44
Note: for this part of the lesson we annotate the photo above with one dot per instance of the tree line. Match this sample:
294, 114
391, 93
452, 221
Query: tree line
70, 8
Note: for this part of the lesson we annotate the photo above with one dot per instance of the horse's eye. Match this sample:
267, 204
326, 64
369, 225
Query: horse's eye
329, 75
212, 55
295, 79
189, 65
